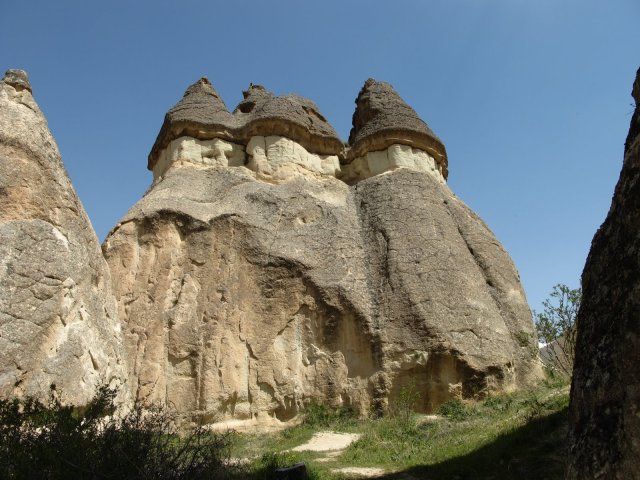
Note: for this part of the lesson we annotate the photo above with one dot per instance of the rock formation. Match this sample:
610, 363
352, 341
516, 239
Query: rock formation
269, 266
605, 393
58, 320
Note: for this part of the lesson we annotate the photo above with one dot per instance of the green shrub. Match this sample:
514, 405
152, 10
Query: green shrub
454, 409
319, 415
556, 326
499, 403
53, 441
532, 407
402, 410
555, 378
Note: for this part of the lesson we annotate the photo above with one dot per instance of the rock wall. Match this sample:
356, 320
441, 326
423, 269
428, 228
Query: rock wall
58, 323
605, 392
443, 291
269, 267
237, 294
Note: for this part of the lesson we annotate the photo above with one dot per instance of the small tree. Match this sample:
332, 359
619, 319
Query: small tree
557, 330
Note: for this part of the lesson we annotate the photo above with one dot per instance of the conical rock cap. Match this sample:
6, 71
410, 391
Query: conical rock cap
201, 113
292, 116
382, 118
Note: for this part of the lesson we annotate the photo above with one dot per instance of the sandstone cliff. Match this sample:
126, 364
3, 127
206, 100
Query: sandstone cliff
269, 266
58, 320
605, 393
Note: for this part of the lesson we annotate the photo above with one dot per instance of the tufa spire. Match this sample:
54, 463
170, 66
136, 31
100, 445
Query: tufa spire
383, 118
18, 79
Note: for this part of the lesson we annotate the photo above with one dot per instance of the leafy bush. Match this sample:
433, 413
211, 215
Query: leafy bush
499, 403
53, 441
403, 408
319, 415
454, 409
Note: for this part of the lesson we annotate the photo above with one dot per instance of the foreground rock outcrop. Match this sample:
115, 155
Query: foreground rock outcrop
605, 393
270, 266
58, 323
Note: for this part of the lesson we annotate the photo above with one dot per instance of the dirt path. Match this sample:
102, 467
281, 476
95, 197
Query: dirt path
327, 442
333, 444
360, 472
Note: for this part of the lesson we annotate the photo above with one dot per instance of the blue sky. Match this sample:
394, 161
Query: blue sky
532, 98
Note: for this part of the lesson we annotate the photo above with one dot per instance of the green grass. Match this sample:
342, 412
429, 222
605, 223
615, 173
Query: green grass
521, 435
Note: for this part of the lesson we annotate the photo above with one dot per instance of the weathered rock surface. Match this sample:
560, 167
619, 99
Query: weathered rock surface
395, 156
251, 280
273, 158
58, 320
443, 291
605, 393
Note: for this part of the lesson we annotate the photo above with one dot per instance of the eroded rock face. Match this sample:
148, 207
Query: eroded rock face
605, 392
252, 279
58, 322
443, 291
235, 294
395, 156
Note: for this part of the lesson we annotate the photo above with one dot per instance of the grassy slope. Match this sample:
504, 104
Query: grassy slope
519, 436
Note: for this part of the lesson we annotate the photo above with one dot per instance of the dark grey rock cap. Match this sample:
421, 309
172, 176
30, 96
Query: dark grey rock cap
383, 118
202, 114
18, 79
201, 104
293, 116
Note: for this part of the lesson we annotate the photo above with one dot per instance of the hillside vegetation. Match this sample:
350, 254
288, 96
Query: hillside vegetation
515, 436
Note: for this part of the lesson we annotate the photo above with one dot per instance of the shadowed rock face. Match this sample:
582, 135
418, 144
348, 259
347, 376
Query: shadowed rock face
58, 320
252, 281
605, 393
